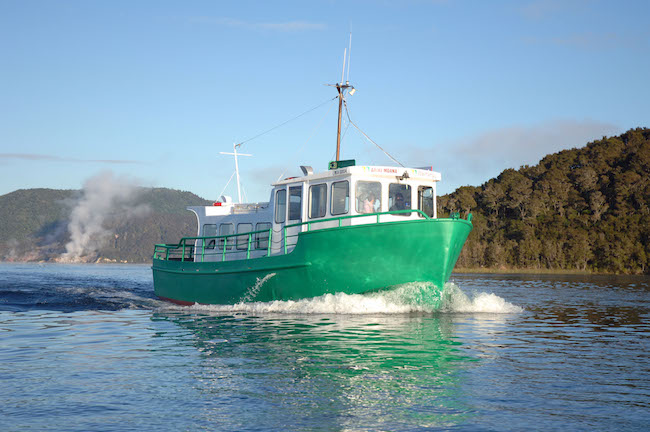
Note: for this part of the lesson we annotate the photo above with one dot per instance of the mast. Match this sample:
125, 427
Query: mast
235, 154
338, 129
341, 88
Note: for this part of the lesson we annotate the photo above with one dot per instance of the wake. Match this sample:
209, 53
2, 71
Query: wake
417, 297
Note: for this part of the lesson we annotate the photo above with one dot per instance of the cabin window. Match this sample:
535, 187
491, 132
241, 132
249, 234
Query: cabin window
242, 240
425, 200
399, 198
226, 229
340, 198
280, 205
262, 238
295, 203
209, 230
317, 200
368, 197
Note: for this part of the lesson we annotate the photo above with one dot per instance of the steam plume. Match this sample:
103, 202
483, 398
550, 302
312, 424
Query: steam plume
104, 197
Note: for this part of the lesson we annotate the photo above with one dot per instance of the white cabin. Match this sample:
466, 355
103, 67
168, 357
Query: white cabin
314, 201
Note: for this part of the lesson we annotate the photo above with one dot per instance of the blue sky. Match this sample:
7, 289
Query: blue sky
154, 90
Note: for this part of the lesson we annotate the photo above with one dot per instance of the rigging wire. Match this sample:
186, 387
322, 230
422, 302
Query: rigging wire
243, 189
347, 126
347, 112
224, 188
313, 132
290, 120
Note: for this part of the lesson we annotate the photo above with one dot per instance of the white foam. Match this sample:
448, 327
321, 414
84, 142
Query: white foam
455, 300
408, 298
256, 288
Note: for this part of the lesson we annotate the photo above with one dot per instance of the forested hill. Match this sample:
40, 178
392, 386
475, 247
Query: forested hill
37, 224
580, 209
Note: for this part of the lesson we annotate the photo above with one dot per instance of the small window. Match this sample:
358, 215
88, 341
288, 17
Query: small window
242, 240
399, 198
317, 201
295, 203
262, 238
226, 229
425, 200
209, 230
280, 205
368, 197
340, 198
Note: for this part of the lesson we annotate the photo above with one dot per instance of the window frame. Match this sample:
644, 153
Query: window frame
421, 189
223, 240
299, 218
239, 243
322, 211
209, 244
277, 206
259, 236
409, 196
345, 203
359, 201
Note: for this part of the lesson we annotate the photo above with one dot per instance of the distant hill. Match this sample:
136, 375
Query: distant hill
34, 224
581, 209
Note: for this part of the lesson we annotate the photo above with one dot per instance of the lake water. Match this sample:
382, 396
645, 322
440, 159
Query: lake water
89, 348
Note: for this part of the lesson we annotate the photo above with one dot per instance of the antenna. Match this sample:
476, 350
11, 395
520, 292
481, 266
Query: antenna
347, 80
341, 88
343, 71
234, 147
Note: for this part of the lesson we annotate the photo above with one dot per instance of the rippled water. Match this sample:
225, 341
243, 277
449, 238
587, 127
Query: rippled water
89, 348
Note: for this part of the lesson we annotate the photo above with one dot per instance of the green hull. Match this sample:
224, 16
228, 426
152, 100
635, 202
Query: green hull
350, 259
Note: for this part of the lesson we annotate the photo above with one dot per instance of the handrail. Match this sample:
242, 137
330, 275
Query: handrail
188, 250
341, 218
183, 245
378, 214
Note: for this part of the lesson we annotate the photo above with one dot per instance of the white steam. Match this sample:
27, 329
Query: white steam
105, 197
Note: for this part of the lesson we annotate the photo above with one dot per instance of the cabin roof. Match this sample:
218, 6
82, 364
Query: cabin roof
367, 171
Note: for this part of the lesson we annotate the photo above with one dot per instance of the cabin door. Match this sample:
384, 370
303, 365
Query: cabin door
287, 218
294, 215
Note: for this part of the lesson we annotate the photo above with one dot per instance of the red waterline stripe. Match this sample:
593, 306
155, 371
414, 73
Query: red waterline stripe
178, 302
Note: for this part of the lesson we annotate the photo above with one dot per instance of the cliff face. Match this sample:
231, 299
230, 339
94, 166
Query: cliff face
579, 209
62, 225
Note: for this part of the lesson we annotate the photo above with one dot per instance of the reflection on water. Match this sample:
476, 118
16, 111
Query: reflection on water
89, 348
388, 360
334, 371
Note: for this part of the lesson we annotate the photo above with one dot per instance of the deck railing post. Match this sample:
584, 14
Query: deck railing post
203, 250
223, 253
269, 240
248, 252
183, 257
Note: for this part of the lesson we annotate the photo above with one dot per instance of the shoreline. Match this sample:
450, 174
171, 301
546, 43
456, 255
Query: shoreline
485, 270
458, 270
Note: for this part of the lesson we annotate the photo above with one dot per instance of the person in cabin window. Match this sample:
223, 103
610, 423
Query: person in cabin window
369, 203
398, 203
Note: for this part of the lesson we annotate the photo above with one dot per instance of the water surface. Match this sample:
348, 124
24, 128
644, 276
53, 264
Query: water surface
89, 348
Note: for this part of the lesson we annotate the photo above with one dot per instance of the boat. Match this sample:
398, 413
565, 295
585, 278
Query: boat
351, 229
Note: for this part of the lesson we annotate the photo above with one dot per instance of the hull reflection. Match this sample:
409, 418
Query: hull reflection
333, 372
